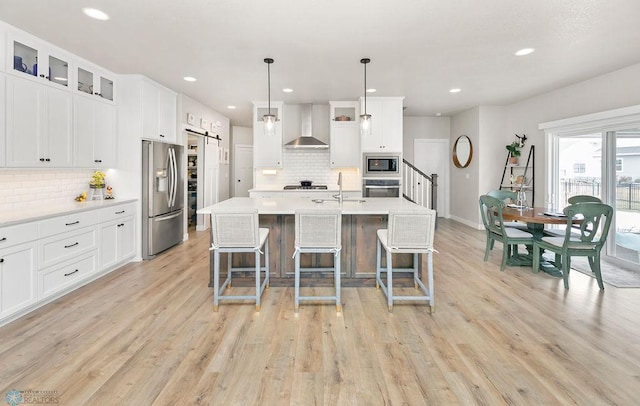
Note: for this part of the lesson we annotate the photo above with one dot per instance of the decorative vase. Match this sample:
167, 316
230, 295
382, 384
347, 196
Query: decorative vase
96, 192
513, 160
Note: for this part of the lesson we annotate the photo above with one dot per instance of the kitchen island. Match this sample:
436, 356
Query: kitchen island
360, 220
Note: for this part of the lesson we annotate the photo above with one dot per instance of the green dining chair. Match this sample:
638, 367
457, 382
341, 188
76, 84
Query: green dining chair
594, 228
584, 199
491, 211
507, 196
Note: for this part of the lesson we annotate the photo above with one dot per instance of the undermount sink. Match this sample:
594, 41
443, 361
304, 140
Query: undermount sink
336, 200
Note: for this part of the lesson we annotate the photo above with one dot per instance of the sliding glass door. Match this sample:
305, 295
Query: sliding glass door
624, 167
606, 165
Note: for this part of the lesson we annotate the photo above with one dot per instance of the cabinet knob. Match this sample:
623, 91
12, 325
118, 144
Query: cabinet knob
97, 160
48, 160
161, 135
41, 159
1, 260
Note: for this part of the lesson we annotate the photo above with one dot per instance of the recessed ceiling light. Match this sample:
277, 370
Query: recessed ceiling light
287, 90
371, 90
525, 51
95, 13
438, 114
190, 79
455, 90
231, 107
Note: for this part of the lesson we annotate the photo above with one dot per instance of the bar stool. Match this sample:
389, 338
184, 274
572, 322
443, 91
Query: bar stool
318, 231
409, 231
238, 231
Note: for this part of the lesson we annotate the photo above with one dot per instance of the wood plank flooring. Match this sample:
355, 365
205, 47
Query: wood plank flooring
146, 335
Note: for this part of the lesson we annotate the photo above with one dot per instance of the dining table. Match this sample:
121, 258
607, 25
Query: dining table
536, 219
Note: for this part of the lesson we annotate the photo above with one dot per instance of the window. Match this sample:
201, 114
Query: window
618, 164
578, 167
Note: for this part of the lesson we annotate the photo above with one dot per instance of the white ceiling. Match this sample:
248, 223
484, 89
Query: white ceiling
418, 48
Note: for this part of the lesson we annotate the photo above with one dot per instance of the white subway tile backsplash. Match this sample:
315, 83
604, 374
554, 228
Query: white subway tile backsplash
308, 165
29, 188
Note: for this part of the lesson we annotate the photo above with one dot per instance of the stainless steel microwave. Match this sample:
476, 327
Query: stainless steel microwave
381, 165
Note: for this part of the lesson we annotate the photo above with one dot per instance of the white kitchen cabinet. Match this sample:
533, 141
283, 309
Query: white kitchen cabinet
39, 126
117, 234
386, 124
94, 129
344, 134
95, 82
3, 115
159, 112
17, 278
56, 278
46, 258
267, 150
38, 61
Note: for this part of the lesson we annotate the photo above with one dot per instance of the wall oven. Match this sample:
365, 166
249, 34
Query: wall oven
380, 187
381, 165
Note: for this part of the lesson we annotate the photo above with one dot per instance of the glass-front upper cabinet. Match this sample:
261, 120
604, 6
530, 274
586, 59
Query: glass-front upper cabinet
95, 81
29, 58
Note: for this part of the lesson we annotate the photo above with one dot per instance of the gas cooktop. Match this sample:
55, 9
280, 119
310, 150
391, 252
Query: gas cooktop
299, 187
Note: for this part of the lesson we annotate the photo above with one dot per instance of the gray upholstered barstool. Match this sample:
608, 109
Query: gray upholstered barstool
318, 231
409, 231
238, 231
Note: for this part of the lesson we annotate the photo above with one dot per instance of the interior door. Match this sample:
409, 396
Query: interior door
432, 156
243, 170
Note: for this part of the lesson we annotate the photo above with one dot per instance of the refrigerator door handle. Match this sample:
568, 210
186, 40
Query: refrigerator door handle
170, 176
174, 174
168, 217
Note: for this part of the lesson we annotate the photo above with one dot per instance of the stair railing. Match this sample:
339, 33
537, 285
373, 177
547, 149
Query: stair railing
418, 187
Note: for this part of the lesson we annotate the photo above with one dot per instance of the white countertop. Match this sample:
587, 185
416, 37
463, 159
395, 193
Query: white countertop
280, 189
8, 218
289, 206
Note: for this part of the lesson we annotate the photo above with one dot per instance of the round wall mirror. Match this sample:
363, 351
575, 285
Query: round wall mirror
462, 152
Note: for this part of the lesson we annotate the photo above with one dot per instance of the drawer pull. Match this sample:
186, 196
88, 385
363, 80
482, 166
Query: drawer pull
71, 224
121, 225
1, 260
72, 245
71, 273
3, 239
120, 212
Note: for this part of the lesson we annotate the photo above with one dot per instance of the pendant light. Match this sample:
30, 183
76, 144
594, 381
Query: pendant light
269, 119
365, 119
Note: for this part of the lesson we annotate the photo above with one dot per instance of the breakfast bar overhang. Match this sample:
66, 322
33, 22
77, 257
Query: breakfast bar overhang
361, 218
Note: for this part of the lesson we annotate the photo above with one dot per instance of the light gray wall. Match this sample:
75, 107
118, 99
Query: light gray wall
465, 182
423, 127
491, 148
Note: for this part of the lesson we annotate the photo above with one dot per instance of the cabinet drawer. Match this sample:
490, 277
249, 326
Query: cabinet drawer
69, 222
12, 235
56, 278
116, 212
58, 248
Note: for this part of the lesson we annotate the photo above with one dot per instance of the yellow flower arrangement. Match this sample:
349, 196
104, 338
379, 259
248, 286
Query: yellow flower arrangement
98, 179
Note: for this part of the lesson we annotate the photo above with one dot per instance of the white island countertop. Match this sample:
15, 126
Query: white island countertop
289, 206
39, 212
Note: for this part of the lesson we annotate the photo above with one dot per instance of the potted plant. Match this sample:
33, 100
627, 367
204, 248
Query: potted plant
97, 180
514, 152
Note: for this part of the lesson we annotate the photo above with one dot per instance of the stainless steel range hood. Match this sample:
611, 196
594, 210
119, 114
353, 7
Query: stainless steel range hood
306, 139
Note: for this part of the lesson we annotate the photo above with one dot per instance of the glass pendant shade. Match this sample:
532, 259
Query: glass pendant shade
269, 124
365, 124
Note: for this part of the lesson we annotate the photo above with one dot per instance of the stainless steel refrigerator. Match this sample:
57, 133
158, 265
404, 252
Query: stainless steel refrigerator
162, 197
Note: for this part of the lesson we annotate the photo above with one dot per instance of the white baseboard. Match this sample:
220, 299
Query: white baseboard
467, 223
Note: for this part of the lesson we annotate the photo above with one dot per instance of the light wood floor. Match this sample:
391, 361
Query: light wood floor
146, 334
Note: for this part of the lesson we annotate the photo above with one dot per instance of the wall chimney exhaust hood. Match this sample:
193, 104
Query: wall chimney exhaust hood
306, 139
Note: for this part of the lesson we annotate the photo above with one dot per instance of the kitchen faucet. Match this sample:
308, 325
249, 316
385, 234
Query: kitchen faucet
339, 195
